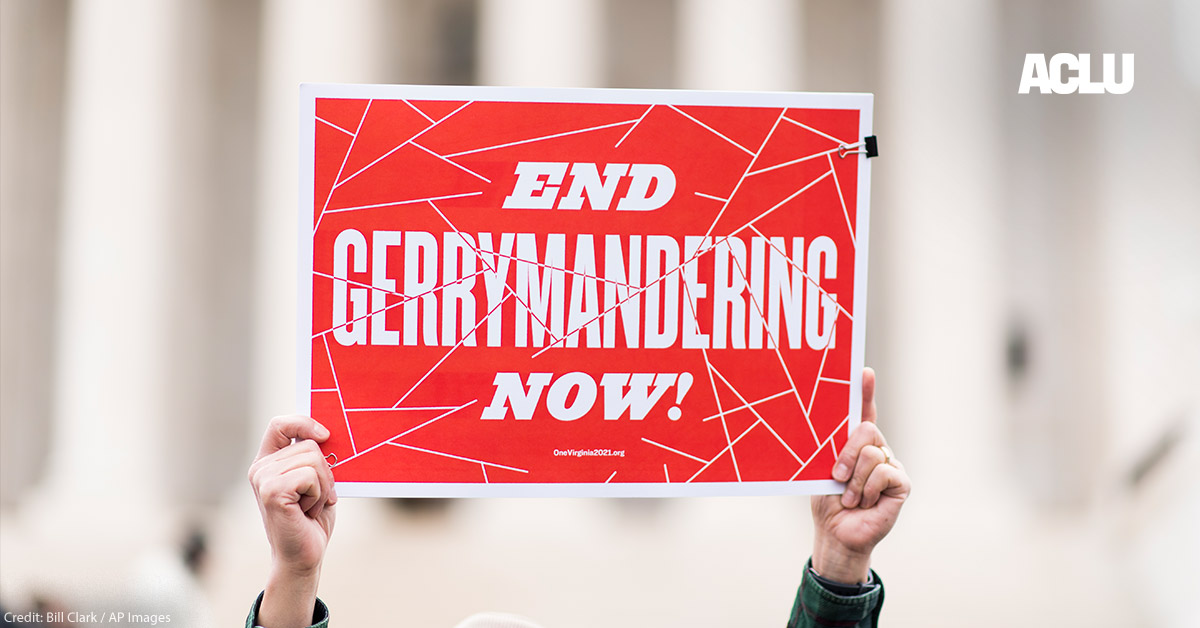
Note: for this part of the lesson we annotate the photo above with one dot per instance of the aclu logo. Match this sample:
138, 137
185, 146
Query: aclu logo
1066, 73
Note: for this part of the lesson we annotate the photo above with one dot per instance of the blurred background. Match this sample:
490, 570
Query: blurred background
1034, 310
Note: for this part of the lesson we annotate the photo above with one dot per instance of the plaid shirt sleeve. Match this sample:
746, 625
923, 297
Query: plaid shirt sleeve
817, 607
320, 618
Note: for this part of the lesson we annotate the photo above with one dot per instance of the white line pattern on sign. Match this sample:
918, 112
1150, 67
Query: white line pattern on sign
552, 342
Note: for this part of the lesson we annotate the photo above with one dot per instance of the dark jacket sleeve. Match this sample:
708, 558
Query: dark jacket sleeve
320, 618
817, 607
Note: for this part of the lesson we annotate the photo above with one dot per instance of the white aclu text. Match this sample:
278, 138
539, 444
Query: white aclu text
1066, 73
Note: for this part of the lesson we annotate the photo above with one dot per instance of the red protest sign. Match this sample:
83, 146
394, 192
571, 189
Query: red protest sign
582, 292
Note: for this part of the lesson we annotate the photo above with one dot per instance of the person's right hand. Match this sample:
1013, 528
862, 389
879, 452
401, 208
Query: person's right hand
294, 487
848, 526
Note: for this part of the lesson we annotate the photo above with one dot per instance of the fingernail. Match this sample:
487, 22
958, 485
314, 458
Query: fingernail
848, 499
841, 472
322, 431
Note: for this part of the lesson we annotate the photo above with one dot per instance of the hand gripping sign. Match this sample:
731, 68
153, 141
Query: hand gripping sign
582, 292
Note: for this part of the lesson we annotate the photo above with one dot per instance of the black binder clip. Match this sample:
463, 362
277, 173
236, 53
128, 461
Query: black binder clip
869, 147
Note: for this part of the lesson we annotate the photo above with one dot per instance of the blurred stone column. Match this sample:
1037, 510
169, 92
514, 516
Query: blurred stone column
180, 175
640, 43
354, 41
115, 250
842, 48
1052, 223
1149, 225
102, 503
33, 35
939, 312
1149, 296
935, 322
740, 44
211, 209
541, 43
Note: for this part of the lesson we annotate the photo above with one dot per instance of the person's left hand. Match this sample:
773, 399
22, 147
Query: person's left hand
294, 487
848, 526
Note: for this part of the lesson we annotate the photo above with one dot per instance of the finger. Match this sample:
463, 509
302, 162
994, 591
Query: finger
327, 497
298, 486
296, 477
885, 479
305, 453
868, 458
866, 434
283, 459
309, 494
868, 395
283, 429
325, 479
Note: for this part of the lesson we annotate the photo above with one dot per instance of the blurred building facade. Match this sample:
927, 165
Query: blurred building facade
1034, 306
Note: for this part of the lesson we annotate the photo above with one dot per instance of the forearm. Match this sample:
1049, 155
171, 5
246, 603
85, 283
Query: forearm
289, 598
837, 562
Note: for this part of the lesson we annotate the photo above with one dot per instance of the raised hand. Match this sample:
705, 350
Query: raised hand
848, 526
294, 487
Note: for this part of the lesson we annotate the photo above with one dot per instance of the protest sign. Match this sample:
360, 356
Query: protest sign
582, 292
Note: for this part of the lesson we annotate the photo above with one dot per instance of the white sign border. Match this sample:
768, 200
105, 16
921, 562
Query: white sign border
310, 92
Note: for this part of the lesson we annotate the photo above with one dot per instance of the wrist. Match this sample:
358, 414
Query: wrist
289, 597
836, 562
295, 572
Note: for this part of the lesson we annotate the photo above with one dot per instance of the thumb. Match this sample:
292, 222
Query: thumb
868, 395
283, 429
